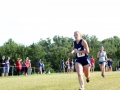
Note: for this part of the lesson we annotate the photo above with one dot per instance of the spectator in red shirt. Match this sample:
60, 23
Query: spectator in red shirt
26, 64
68, 65
18, 65
92, 61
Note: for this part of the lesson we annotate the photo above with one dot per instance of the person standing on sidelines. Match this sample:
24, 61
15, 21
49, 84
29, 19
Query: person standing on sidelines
68, 65
18, 66
102, 55
62, 65
72, 66
92, 61
26, 63
29, 68
43, 67
40, 66
118, 65
110, 63
2, 62
7, 66
82, 64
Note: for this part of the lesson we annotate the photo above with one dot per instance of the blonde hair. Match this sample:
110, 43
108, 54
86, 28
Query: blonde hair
19, 59
78, 33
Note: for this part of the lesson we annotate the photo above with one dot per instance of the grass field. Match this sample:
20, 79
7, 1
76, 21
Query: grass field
60, 82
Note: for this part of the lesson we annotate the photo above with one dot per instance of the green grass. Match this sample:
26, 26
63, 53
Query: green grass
60, 82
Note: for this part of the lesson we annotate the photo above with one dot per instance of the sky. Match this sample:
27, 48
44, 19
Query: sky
26, 21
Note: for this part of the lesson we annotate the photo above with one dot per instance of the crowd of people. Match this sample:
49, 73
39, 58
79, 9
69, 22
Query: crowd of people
69, 65
22, 67
41, 67
19, 65
5, 66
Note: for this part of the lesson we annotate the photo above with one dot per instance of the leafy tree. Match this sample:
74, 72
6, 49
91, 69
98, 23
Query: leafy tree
51, 51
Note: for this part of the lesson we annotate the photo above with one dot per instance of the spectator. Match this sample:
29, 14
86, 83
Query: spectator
26, 63
29, 68
119, 65
43, 67
18, 65
68, 65
7, 66
72, 66
3, 65
92, 62
40, 66
110, 63
62, 64
23, 68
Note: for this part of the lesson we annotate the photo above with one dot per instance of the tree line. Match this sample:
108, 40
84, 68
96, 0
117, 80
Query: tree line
51, 51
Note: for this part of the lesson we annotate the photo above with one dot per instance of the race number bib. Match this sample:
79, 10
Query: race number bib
102, 58
80, 54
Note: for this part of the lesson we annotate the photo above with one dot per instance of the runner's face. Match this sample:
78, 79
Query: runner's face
77, 36
101, 48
